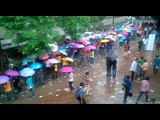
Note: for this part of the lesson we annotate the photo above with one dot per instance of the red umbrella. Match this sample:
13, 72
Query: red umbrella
44, 57
66, 69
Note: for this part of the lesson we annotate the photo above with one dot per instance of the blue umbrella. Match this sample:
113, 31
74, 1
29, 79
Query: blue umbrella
35, 65
26, 72
27, 60
69, 46
129, 30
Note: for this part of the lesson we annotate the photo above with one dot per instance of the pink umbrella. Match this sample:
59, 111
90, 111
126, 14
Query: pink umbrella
86, 43
66, 69
53, 61
124, 32
82, 41
78, 45
91, 47
12, 73
85, 49
72, 43
44, 57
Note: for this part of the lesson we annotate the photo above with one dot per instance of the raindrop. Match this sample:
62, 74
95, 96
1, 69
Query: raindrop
120, 92
26, 91
113, 97
152, 90
57, 95
118, 83
40, 96
50, 93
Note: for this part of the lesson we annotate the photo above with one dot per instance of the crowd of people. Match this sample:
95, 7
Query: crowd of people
86, 57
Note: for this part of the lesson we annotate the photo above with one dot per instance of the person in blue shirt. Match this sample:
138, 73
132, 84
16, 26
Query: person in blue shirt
156, 63
80, 94
30, 87
128, 86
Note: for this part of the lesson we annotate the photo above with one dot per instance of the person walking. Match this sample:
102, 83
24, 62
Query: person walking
133, 69
127, 89
55, 71
144, 67
70, 81
114, 67
156, 63
86, 81
16, 84
144, 89
80, 94
108, 66
140, 45
30, 87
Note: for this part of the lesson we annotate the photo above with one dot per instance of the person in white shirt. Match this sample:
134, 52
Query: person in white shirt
145, 41
133, 68
70, 81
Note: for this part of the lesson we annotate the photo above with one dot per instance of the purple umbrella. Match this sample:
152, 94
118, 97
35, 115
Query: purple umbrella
12, 73
3, 79
91, 47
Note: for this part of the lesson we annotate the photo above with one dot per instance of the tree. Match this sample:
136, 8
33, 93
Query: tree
95, 20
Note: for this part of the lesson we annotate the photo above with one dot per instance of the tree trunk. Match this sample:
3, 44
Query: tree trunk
3, 61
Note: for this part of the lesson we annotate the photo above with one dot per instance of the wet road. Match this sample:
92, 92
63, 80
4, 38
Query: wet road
103, 91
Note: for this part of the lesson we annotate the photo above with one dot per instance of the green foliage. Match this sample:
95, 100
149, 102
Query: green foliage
38, 31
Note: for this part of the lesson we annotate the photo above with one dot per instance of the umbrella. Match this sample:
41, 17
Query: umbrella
86, 43
124, 32
35, 65
44, 57
53, 61
112, 32
85, 49
64, 53
26, 72
120, 35
69, 59
72, 43
27, 60
78, 45
66, 69
91, 47
12, 73
56, 53
3, 79
104, 41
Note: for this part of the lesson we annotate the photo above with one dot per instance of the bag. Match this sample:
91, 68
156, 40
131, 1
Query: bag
123, 86
130, 94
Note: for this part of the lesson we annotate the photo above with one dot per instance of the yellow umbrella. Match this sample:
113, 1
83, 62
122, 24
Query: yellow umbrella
126, 29
104, 41
69, 59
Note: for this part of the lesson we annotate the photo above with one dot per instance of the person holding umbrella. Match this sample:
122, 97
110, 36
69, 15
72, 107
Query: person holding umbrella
30, 87
9, 91
70, 81
16, 85
55, 71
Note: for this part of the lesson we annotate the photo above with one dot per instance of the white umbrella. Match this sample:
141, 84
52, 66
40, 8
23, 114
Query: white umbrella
64, 53
26, 72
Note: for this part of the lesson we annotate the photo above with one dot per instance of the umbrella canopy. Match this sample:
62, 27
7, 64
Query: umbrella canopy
3, 79
72, 43
35, 65
124, 32
27, 60
91, 47
66, 69
120, 35
85, 49
12, 73
104, 41
69, 59
64, 53
78, 45
112, 32
26, 72
53, 61
86, 43
56, 53
44, 57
